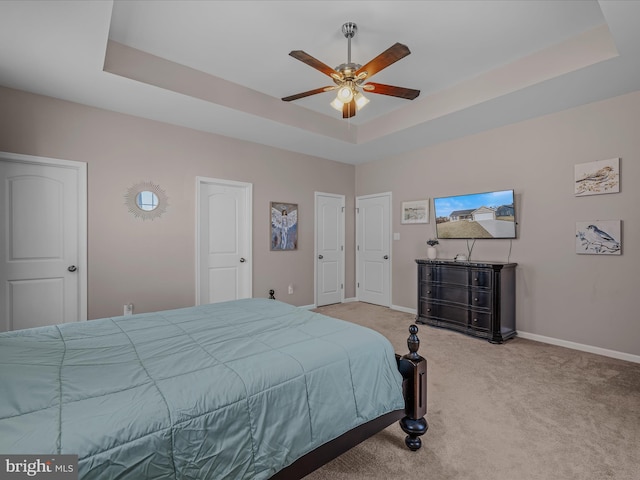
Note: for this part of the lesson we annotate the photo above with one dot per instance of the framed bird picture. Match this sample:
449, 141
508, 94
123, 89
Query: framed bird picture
596, 178
284, 226
599, 237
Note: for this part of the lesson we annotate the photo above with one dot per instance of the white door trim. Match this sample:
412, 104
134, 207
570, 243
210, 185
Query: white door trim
200, 181
390, 236
81, 167
315, 245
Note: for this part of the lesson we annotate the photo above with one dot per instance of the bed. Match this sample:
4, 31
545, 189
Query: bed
249, 389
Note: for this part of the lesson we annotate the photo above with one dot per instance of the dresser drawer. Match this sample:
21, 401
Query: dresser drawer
453, 275
426, 273
480, 298
448, 313
481, 278
448, 294
480, 320
454, 314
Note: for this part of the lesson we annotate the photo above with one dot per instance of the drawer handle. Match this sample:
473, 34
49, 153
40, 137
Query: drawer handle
428, 309
428, 291
475, 299
475, 320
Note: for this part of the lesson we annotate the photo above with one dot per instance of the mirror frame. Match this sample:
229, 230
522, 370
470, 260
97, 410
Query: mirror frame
136, 211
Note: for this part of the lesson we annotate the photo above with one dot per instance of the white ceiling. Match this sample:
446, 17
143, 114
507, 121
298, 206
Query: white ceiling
478, 64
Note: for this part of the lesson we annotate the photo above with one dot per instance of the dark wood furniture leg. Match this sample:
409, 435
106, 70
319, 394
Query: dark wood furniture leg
413, 368
414, 387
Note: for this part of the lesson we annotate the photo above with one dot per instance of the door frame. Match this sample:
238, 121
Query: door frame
82, 239
200, 181
315, 244
390, 238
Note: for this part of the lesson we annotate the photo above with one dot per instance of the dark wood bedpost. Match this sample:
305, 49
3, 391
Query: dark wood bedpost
413, 368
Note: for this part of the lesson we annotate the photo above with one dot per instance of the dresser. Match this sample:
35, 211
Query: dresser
476, 298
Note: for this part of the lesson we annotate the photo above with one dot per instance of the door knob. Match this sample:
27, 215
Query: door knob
386, 257
320, 257
242, 260
72, 268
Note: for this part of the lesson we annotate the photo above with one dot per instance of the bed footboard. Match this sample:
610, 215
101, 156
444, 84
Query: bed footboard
414, 372
413, 368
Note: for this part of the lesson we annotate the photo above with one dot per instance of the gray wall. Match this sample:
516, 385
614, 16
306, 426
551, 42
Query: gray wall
152, 263
586, 299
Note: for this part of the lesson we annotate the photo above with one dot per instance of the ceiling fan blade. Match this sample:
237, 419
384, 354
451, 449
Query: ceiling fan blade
401, 92
315, 63
386, 58
309, 93
349, 109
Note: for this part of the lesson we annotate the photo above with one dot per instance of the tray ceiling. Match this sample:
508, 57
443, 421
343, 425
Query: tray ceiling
222, 66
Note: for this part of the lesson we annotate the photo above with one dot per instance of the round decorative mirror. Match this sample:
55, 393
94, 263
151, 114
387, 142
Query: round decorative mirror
146, 200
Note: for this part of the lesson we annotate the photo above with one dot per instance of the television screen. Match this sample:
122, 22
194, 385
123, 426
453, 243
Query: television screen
476, 215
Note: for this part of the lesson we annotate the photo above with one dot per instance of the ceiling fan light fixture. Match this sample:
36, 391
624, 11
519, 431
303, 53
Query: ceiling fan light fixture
361, 100
337, 104
345, 94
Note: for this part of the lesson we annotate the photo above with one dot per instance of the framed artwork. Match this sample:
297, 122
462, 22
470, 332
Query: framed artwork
416, 211
599, 237
596, 178
284, 226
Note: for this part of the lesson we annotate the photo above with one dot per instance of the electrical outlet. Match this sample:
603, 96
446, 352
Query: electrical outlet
290, 289
128, 309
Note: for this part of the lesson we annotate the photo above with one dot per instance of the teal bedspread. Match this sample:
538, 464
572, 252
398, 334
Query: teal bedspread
235, 390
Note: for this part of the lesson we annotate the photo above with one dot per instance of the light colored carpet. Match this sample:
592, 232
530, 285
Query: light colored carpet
522, 410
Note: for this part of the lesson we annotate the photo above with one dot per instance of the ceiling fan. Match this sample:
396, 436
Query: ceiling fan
349, 77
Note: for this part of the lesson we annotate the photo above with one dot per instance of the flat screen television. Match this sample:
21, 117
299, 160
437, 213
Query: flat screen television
476, 215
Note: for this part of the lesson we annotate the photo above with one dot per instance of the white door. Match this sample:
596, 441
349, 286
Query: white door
42, 241
373, 255
223, 260
329, 248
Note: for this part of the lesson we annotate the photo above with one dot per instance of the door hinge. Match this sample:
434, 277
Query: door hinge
358, 284
357, 210
342, 248
342, 286
342, 209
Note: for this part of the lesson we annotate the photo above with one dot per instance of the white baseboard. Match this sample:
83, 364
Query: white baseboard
579, 346
550, 340
555, 341
413, 311
346, 300
308, 307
